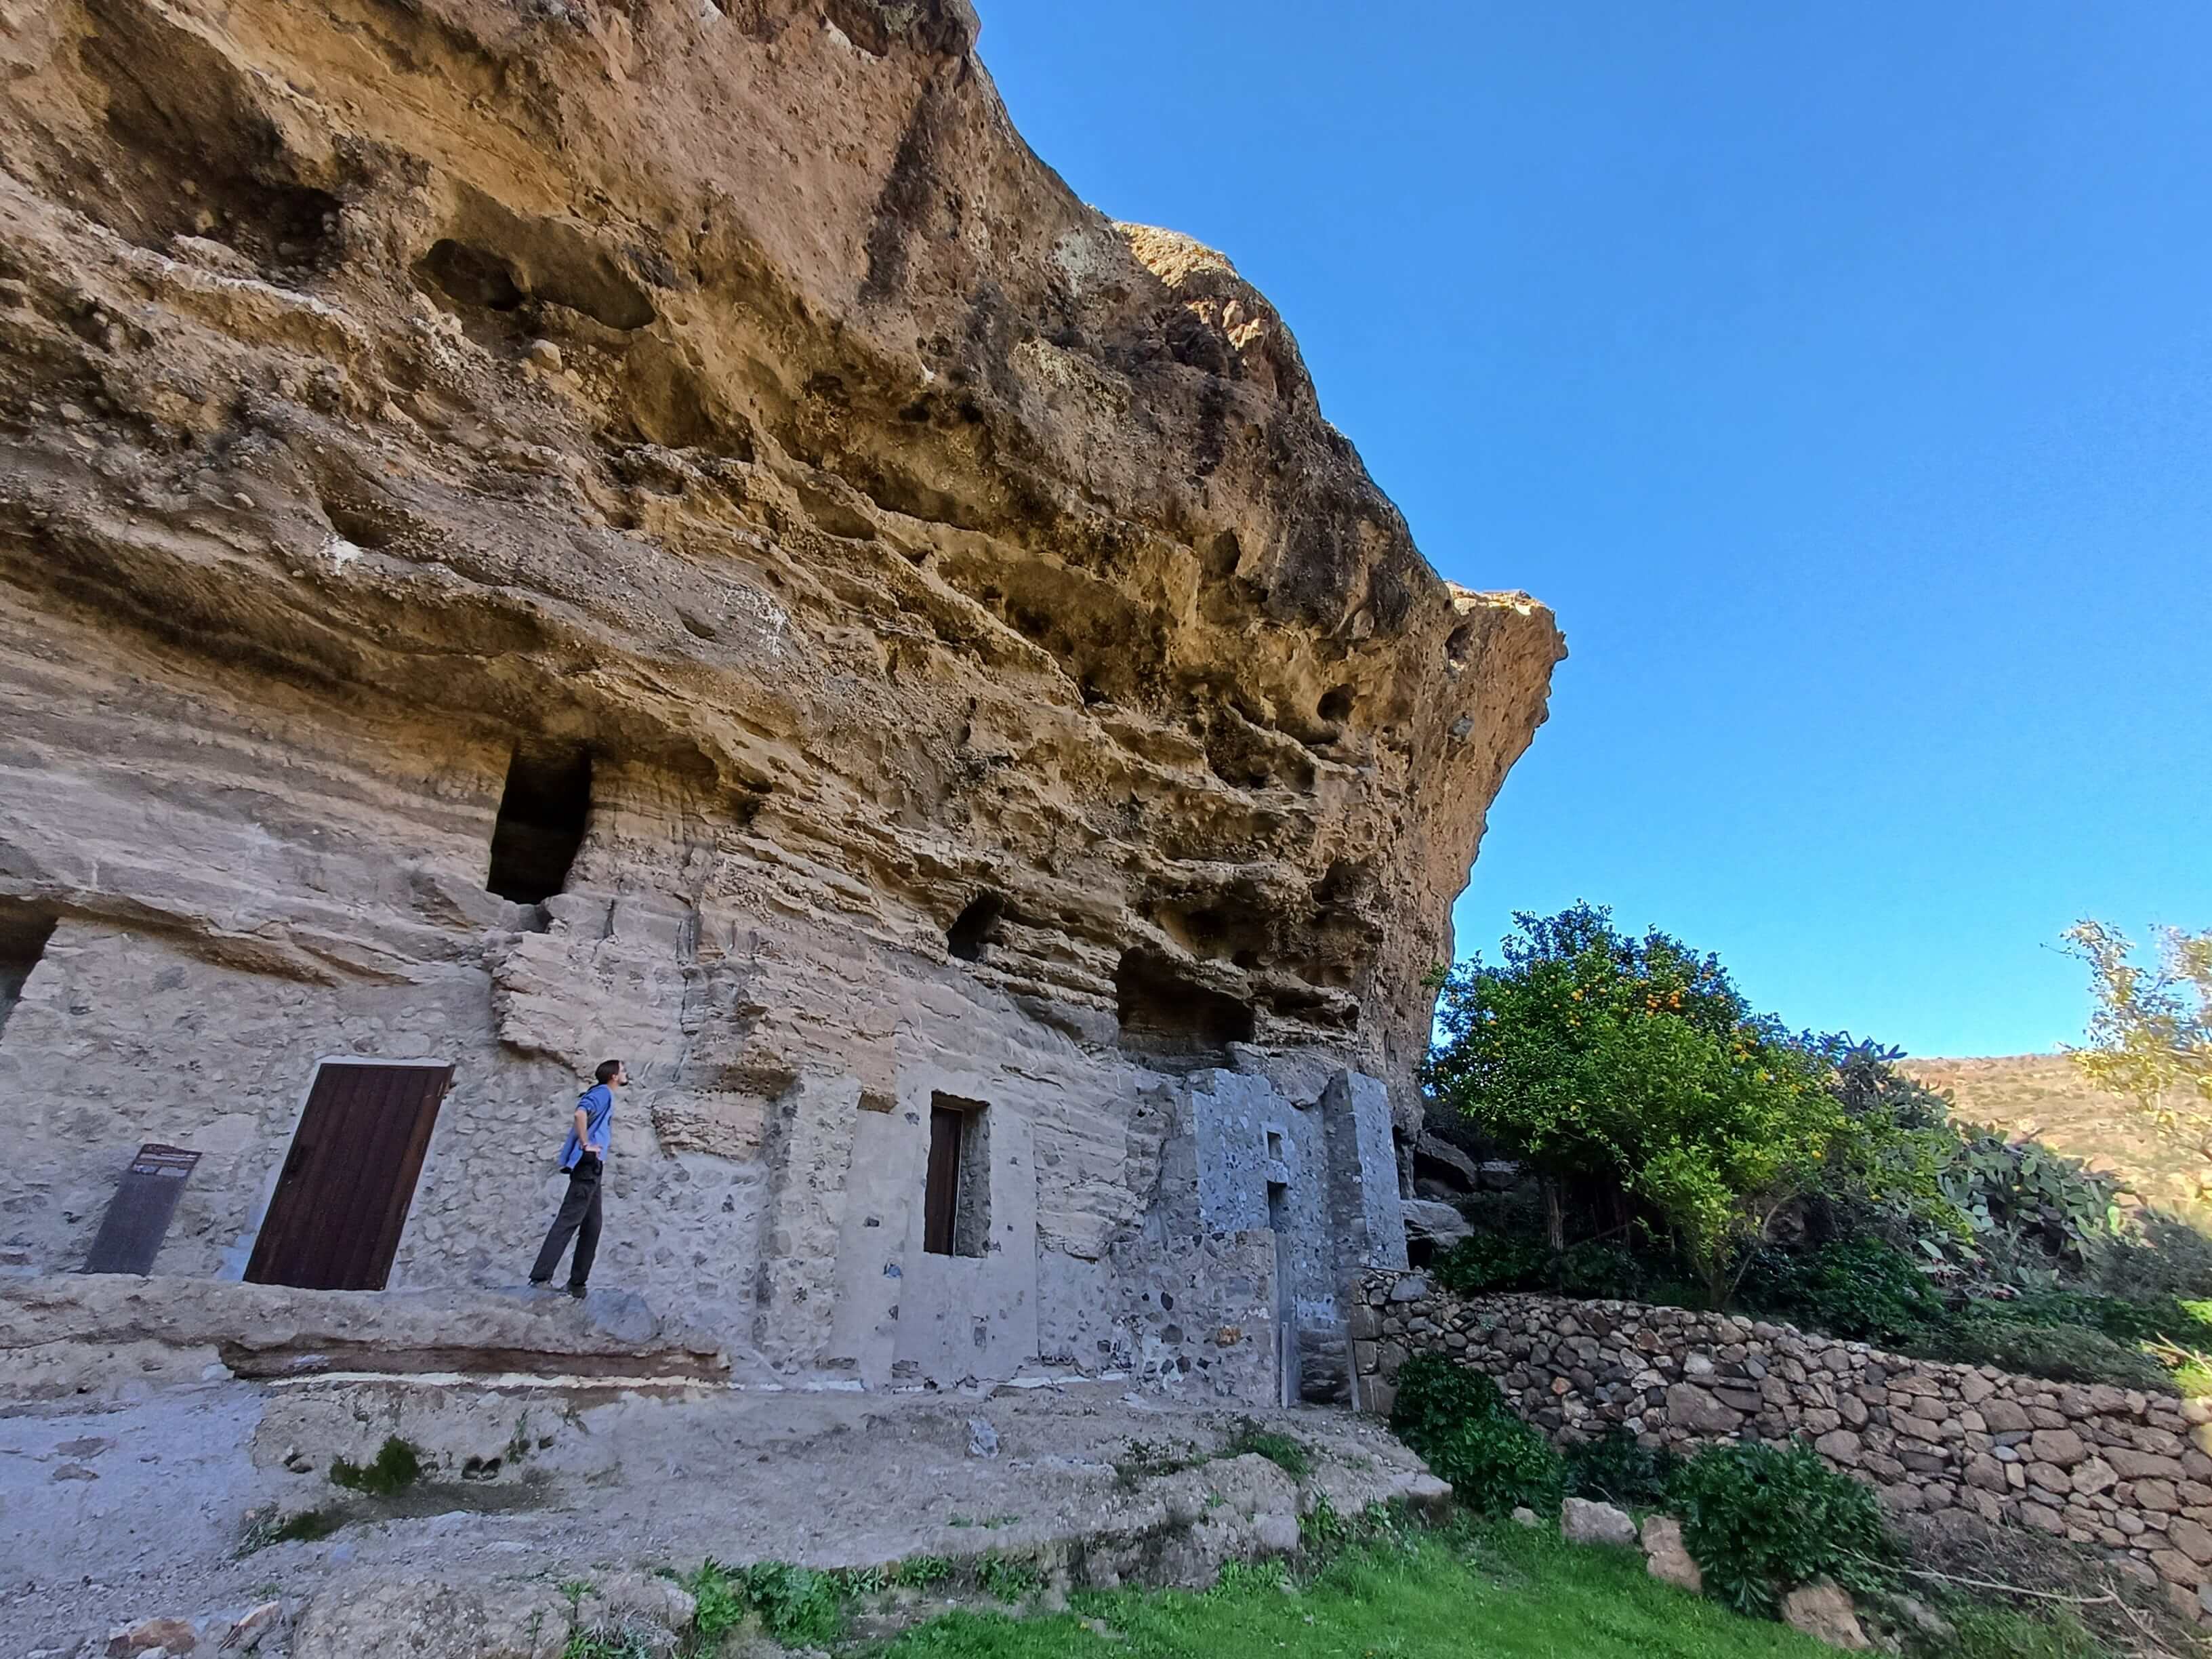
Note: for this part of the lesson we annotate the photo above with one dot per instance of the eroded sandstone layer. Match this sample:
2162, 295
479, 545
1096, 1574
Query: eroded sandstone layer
533, 532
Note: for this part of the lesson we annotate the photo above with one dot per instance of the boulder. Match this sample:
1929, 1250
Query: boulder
1436, 1224
1583, 1522
153, 1635
1666, 1558
1823, 1611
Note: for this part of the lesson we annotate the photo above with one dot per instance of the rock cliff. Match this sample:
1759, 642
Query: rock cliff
691, 454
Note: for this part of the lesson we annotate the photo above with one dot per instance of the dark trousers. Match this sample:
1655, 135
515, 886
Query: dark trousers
579, 1219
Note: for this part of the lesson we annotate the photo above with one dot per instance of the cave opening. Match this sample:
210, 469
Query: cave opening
23, 935
1165, 1013
542, 815
975, 929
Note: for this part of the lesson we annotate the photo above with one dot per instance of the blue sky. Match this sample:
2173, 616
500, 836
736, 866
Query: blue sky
1840, 374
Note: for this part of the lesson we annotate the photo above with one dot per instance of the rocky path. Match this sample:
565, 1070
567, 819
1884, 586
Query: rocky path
130, 1509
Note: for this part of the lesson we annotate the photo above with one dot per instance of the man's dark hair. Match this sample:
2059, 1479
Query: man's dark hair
607, 1070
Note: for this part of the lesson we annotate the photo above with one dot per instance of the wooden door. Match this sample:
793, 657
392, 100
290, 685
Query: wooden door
334, 1220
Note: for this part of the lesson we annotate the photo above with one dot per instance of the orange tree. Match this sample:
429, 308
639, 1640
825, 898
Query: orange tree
1635, 1062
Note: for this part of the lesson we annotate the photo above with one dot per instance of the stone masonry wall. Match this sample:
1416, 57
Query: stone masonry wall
2101, 1466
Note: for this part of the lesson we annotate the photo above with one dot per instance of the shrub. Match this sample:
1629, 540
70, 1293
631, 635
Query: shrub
2130, 1320
1434, 1395
1456, 1419
1761, 1520
1484, 1263
1859, 1288
1497, 1464
1598, 1272
721, 1599
2063, 1353
1491, 1262
1618, 1469
396, 1467
2161, 1256
2034, 1213
1009, 1578
796, 1604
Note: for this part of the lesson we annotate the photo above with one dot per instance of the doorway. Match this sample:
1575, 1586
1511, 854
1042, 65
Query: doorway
335, 1218
956, 1215
1287, 1327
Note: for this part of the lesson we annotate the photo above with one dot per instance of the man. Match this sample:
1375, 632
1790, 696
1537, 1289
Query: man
583, 1155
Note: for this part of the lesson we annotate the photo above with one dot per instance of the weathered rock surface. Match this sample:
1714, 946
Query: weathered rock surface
1666, 1558
52, 1329
1437, 1225
531, 534
1821, 1610
1583, 1522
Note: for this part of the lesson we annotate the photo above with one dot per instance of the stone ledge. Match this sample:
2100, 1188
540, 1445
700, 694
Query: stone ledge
273, 1331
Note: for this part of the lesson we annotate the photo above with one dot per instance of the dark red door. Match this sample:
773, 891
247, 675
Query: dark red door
940, 1193
334, 1221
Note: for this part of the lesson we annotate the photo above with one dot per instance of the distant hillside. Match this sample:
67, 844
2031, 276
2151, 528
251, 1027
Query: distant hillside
2044, 1097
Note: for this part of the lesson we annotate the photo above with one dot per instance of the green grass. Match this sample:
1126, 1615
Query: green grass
1502, 1594
1286, 1452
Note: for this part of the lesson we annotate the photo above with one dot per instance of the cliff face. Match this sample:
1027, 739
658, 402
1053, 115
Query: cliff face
705, 424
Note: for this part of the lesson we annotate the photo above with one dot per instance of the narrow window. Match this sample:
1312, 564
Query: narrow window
23, 935
540, 824
956, 1218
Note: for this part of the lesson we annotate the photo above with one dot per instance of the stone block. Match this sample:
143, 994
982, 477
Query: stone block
2175, 1567
2093, 1474
1838, 1446
2191, 1538
2131, 1465
2060, 1446
1691, 1407
1985, 1473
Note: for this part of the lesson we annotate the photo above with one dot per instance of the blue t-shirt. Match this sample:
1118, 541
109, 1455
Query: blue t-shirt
598, 1105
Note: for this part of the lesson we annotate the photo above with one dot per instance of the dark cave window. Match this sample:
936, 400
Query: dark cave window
23, 936
540, 824
976, 928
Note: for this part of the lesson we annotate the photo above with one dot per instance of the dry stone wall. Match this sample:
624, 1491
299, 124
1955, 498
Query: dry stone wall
2128, 1472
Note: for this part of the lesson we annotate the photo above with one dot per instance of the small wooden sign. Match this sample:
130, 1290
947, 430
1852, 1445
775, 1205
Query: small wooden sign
138, 1216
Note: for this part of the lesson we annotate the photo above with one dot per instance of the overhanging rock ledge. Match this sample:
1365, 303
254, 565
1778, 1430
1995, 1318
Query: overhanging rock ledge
536, 533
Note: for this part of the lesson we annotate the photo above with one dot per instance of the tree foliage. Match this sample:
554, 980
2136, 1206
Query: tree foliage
2150, 1036
1591, 1053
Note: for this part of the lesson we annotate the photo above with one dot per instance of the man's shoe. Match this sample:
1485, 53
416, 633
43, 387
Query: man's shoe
541, 1283
576, 1290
